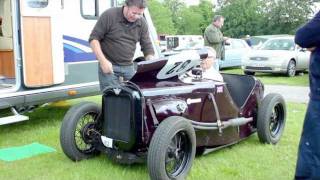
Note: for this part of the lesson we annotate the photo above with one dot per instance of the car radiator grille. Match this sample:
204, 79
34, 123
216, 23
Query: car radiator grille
258, 68
117, 117
259, 58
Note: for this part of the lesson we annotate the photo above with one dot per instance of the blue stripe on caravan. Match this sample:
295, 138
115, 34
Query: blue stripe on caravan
72, 48
67, 53
78, 57
76, 40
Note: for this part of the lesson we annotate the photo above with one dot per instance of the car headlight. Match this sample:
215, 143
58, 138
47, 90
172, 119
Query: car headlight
244, 58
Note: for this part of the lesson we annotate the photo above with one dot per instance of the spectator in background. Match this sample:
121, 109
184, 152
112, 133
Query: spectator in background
248, 40
214, 38
308, 163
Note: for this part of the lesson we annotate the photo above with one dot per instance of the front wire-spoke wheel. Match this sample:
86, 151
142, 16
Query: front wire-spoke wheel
77, 130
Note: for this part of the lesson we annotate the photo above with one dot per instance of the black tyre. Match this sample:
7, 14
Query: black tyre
291, 69
249, 73
75, 131
271, 118
172, 149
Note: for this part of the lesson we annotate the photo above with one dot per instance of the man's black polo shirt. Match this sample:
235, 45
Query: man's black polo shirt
118, 37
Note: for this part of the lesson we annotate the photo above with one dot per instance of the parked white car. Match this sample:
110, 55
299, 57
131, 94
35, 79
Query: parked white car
277, 55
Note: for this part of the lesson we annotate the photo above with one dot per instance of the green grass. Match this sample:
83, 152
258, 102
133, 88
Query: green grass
279, 79
247, 160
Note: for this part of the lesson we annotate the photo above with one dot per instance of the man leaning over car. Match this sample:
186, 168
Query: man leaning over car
114, 38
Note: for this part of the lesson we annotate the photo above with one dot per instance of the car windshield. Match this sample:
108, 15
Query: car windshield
278, 44
255, 41
190, 45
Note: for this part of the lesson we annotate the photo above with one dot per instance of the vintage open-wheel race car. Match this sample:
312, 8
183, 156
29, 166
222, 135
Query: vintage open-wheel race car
170, 111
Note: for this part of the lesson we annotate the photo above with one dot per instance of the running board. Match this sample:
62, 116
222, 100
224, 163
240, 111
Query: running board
14, 118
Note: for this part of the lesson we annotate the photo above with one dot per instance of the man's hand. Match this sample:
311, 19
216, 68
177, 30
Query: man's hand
149, 57
226, 40
311, 49
207, 63
106, 67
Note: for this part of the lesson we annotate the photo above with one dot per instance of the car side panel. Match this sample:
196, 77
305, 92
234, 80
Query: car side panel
303, 59
227, 110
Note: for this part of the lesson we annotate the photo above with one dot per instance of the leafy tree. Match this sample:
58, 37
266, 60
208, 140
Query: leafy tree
161, 16
242, 17
189, 21
175, 6
254, 17
206, 9
283, 17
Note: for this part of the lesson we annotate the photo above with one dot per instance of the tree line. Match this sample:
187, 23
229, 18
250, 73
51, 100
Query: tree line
242, 17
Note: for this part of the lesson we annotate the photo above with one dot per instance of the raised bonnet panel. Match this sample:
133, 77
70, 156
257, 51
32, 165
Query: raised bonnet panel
37, 51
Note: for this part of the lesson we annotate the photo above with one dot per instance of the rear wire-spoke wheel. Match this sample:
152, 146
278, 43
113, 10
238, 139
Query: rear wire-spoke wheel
77, 129
172, 149
271, 118
291, 69
275, 121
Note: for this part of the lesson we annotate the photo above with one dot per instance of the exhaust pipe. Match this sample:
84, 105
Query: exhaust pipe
224, 124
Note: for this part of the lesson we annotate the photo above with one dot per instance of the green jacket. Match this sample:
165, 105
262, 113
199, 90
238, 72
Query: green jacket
213, 37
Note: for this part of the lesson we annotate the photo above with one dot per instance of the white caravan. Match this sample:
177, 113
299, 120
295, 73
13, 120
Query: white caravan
44, 52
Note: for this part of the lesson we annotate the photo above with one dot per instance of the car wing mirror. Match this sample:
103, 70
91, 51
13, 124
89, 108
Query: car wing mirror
302, 49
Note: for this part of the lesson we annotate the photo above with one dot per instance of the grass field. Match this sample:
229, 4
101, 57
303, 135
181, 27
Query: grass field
248, 160
280, 79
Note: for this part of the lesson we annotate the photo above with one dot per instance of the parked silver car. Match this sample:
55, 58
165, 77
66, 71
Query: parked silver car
257, 41
277, 55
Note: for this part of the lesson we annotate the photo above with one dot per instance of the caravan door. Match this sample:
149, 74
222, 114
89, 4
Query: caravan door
42, 45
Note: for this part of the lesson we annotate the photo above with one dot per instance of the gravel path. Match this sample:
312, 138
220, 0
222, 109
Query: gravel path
298, 94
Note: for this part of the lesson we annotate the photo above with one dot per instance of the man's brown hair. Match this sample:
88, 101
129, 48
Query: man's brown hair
139, 3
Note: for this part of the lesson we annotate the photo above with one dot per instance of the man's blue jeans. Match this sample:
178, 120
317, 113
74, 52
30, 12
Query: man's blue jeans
106, 80
308, 163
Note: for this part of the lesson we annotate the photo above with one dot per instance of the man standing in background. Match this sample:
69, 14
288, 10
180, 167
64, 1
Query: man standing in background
213, 37
248, 40
308, 163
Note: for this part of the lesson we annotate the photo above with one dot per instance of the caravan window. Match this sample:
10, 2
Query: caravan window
37, 3
89, 9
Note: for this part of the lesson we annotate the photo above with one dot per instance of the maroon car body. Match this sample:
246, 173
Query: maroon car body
166, 114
